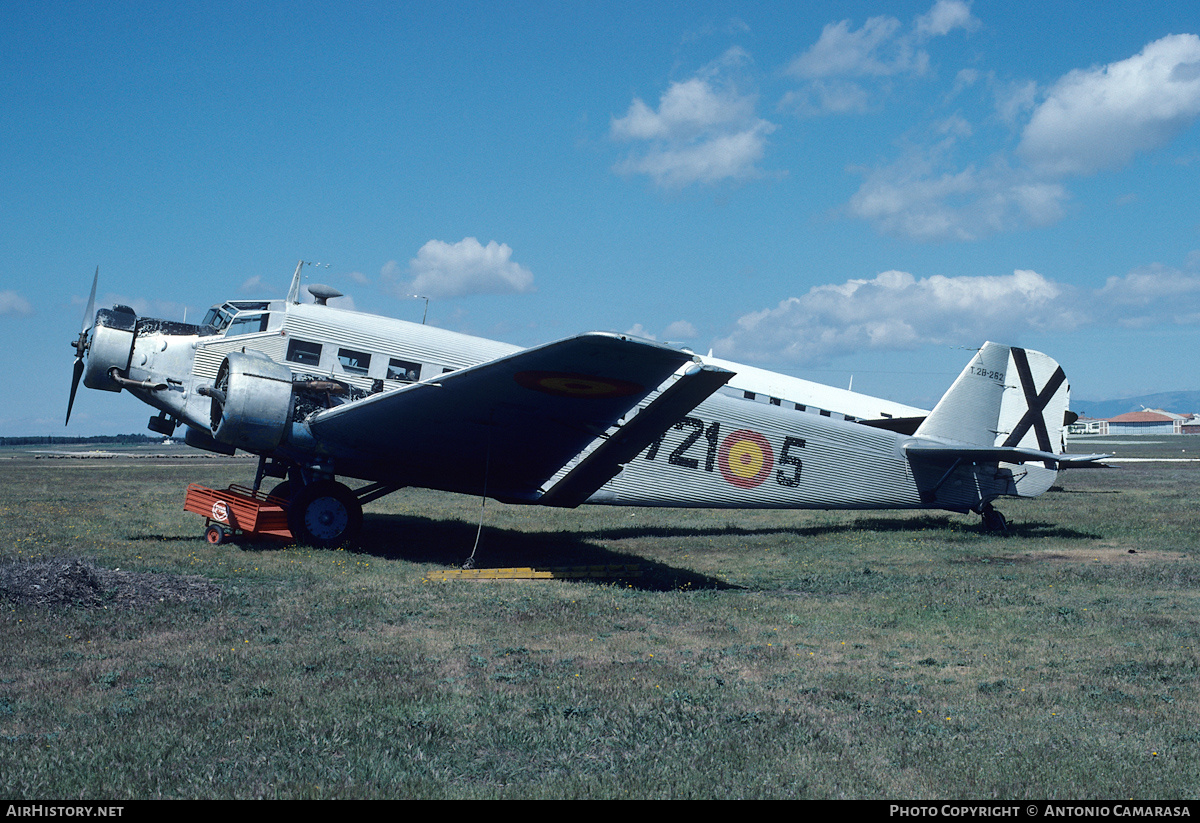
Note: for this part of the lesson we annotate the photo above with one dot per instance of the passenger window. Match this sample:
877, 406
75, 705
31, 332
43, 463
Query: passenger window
403, 370
304, 353
355, 362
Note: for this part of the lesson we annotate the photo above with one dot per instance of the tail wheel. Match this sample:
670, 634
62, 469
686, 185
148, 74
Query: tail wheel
994, 521
324, 513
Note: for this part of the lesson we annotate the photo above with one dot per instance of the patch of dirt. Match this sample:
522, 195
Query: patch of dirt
78, 581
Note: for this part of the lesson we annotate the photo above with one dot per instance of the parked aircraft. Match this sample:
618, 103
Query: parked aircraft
319, 392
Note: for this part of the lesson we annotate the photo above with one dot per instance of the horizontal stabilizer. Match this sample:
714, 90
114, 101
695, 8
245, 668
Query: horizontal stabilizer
936, 452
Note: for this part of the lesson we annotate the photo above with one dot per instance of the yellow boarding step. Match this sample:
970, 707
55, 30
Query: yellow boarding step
527, 573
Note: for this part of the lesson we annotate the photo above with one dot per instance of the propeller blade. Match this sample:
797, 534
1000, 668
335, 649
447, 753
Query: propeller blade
80, 344
76, 374
90, 311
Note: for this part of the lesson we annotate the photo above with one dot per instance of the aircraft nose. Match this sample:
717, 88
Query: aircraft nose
111, 347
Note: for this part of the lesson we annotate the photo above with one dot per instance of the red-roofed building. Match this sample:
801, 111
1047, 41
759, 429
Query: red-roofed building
1145, 422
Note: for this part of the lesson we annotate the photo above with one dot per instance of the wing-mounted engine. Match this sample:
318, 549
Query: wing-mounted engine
251, 402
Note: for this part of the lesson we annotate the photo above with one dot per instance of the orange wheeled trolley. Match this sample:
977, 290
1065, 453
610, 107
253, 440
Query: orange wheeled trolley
238, 510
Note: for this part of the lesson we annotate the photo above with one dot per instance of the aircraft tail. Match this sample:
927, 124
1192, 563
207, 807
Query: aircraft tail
1006, 398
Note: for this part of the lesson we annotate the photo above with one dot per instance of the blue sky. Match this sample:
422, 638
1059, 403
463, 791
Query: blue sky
833, 189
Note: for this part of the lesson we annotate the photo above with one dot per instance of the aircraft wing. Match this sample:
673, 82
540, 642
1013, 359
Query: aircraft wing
505, 427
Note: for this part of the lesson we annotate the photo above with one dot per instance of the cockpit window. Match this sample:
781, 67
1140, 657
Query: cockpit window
218, 317
247, 324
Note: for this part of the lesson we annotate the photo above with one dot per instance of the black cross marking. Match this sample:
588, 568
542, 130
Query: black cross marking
1037, 402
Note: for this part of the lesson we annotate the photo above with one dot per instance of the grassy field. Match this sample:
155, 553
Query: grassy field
758, 654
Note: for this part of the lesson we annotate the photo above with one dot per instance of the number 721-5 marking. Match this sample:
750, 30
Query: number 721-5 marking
790, 464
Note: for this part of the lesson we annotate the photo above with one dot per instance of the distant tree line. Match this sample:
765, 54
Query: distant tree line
59, 440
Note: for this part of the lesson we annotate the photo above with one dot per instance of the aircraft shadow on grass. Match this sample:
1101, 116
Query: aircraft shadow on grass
447, 541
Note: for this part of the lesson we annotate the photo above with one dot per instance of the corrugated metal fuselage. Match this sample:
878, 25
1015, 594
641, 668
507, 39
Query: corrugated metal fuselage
765, 441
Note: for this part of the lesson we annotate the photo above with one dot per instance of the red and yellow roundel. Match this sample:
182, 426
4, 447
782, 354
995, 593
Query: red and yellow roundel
568, 384
745, 458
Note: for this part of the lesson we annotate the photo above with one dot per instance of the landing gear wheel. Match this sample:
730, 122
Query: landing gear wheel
324, 513
282, 490
215, 534
993, 521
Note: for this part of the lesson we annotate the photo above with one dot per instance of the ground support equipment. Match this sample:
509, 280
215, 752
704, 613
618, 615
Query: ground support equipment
238, 511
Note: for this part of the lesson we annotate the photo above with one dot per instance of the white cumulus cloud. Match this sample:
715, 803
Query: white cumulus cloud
923, 196
945, 17
13, 303
896, 310
1087, 121
1152, 295
1099, 118
704, 131
680, 330
467, 267
833, 68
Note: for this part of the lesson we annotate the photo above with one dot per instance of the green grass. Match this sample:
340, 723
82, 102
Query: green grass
760, 654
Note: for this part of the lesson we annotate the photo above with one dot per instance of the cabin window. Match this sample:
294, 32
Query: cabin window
403, 370
354, 362
748, 395
248, 324
774, 401
304, 352
826, 413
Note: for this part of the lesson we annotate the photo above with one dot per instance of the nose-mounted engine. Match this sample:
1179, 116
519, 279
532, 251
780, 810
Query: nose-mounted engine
111, 348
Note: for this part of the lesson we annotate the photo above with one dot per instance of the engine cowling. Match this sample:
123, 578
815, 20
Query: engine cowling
110, 348
251, 402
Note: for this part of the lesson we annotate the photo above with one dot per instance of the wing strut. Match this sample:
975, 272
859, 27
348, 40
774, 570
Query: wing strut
603, 464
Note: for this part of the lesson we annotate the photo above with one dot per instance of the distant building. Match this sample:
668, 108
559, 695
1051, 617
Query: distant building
1146, 422
1088, 425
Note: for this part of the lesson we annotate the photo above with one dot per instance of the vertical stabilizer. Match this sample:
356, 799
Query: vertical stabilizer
1004, 397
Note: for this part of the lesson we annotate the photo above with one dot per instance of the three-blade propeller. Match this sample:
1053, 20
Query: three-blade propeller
80, 344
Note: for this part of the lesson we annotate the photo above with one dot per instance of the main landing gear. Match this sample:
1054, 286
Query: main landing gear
323, 513
320, 510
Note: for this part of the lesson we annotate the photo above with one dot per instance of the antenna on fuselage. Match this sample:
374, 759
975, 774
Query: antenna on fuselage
293, 295
426, 299
294, 291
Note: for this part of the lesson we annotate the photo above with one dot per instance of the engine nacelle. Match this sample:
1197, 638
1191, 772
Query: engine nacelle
251, 402
110, 348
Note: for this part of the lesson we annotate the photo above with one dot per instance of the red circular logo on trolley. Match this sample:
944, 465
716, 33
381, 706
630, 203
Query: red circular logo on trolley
220, 511
570, 384
745, 458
